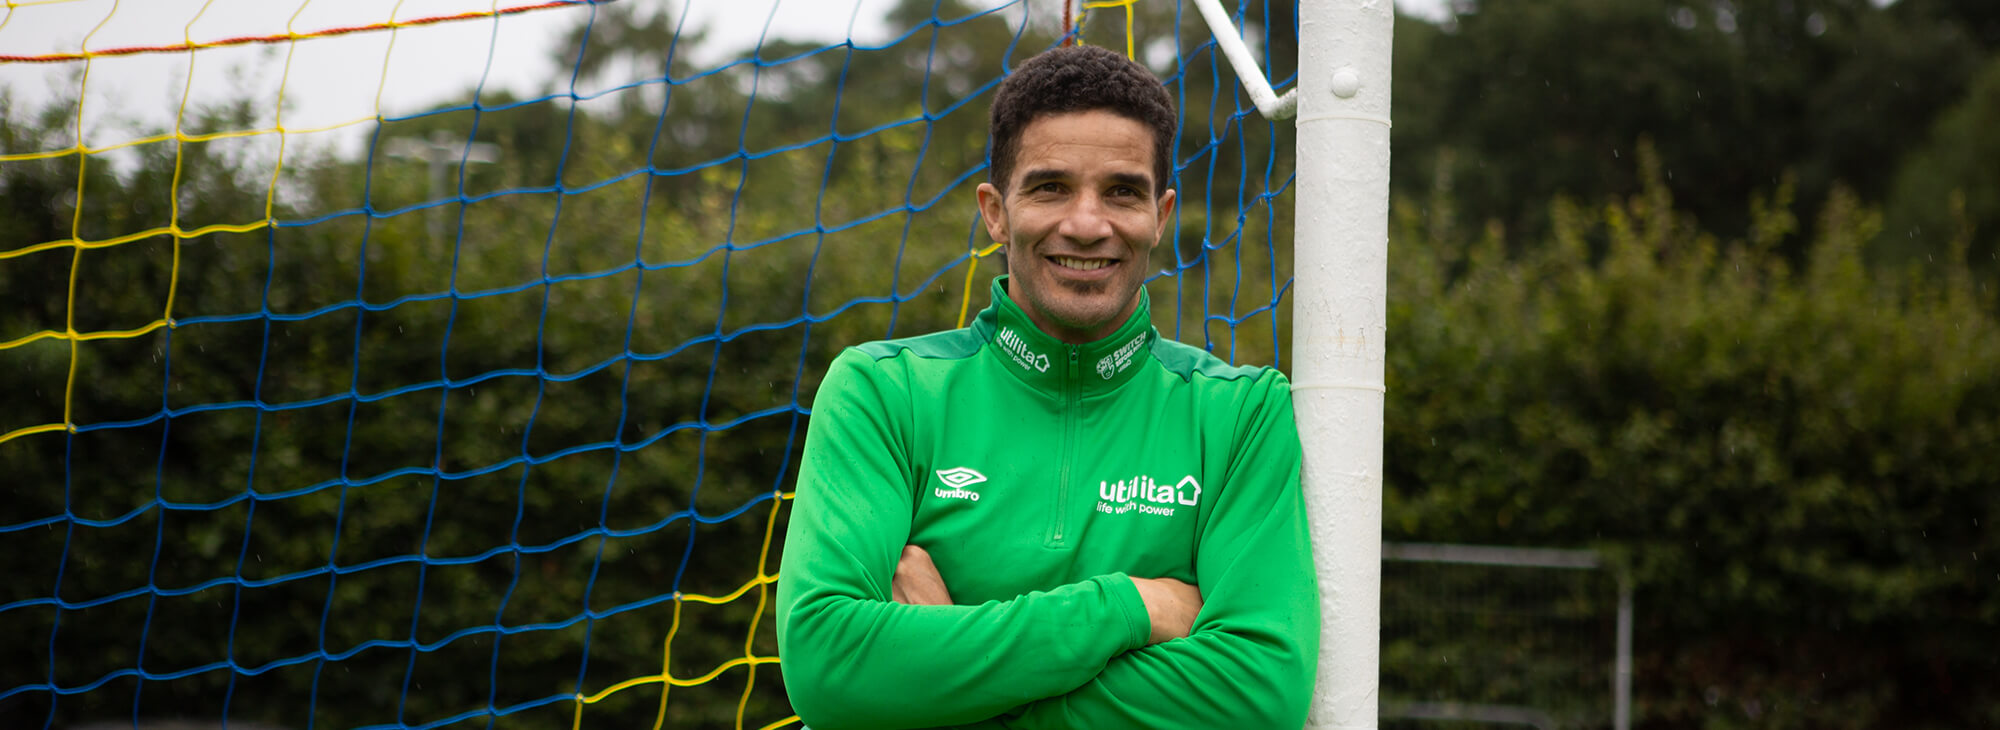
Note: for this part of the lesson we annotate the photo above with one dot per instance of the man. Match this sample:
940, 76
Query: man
1053, 518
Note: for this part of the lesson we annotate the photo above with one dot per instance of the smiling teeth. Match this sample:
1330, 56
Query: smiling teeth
1080, 264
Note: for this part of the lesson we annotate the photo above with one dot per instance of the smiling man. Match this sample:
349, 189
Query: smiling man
1053, 518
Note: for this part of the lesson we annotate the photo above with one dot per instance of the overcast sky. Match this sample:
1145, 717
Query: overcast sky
335, 80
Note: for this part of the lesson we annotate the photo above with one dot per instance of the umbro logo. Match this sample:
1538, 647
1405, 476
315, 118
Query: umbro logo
958, 478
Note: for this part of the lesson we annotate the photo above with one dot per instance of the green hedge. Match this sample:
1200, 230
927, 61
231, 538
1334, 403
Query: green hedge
1796, 462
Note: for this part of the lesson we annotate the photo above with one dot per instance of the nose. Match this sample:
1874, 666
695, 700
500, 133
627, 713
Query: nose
1087, 220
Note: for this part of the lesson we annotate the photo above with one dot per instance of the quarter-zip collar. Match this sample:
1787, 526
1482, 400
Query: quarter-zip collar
1044, 362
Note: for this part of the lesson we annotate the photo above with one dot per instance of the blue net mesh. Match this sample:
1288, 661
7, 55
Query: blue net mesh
492, 423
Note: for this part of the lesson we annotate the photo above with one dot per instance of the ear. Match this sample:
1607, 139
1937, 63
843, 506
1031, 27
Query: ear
993, 210
1166, 213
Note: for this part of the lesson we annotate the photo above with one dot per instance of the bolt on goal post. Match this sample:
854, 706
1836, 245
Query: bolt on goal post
1339, 321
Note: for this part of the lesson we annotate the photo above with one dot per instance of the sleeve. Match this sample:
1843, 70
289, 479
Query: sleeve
851, 656
1251, 658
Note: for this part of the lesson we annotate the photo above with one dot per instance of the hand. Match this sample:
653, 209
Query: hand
1170, 604
917, 582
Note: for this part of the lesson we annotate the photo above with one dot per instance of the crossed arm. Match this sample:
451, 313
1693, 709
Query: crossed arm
1171, 605
1238, 653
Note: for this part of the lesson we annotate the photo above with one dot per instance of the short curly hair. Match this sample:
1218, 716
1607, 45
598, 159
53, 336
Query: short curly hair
1079, 79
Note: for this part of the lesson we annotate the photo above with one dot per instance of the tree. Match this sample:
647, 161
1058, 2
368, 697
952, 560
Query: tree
1790, 461
1524, 100
1945, 212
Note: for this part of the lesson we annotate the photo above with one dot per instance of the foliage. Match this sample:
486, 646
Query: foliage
1793, 464
1527, 99
1784, 442
1946, 204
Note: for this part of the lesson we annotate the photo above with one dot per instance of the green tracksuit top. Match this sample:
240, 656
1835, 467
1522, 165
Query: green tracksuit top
1039, 476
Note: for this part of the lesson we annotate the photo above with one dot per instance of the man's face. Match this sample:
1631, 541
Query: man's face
1080, 220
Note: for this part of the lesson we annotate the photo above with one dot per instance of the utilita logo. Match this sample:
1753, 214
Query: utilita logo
1144, 495
958, 479
1024, 355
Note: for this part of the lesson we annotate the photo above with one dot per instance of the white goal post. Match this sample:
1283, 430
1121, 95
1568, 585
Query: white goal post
1339, 333
1339, 323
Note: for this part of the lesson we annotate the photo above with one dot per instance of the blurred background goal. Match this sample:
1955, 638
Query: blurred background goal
1478, 635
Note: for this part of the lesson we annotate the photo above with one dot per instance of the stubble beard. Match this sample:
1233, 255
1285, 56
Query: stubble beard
1072, 308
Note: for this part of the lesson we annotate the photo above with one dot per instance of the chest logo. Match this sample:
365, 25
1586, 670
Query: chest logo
1113, 364
1144, 495
958, 478
1024, 355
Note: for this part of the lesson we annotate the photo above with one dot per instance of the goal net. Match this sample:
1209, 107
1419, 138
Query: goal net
446, 364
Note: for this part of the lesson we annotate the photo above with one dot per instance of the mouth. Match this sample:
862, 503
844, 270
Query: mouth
1077, 264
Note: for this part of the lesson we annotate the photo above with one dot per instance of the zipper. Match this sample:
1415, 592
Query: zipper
1068, 448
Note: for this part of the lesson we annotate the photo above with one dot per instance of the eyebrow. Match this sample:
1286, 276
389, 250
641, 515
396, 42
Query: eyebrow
1038, 176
